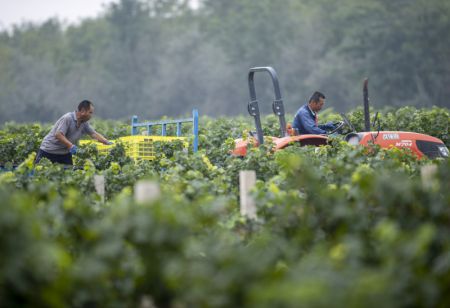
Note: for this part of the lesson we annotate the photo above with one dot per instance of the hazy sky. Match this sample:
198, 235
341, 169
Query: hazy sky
16, 11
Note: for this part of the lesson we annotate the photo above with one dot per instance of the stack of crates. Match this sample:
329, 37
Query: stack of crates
136, 147
102, 149
141, 147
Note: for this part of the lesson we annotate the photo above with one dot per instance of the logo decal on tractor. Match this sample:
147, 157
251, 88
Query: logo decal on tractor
390, 136
404, 143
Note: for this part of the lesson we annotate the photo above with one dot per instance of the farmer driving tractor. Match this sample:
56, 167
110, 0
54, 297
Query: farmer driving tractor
306, 120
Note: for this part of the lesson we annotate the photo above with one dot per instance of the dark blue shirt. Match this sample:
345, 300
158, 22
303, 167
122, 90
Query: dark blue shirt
305, 122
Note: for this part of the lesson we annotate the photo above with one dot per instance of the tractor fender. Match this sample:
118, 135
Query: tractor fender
316, 140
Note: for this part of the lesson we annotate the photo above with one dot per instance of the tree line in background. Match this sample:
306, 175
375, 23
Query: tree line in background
161, 57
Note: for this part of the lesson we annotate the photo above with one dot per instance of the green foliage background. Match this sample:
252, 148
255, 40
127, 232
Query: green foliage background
337, 225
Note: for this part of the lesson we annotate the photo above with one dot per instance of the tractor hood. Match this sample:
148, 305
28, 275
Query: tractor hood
241, 145
420, 144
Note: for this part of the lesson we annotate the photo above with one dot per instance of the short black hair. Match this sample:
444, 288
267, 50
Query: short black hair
316, 97
85, 105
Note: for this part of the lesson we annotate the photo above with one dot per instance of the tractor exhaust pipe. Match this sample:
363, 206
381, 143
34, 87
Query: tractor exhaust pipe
366, 105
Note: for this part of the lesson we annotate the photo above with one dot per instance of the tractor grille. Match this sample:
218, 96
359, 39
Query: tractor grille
432, 149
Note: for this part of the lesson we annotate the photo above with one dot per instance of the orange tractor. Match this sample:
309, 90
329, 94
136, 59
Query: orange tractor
420, 144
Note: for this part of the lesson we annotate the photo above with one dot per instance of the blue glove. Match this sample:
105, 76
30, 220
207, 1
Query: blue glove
73, 149
109, 142
331, 125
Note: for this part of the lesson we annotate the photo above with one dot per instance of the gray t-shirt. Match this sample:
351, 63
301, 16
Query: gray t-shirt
67, 125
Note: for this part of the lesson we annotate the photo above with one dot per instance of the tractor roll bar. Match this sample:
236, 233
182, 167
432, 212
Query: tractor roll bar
277, 105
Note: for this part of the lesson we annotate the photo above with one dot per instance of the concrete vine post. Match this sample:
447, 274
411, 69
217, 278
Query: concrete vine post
247, 180
99, 183
146, 191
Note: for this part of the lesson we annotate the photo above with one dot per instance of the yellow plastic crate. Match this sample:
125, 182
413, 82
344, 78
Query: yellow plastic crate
137, 147
102, 149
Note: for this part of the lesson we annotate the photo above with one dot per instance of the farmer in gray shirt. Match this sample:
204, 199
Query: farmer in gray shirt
60, 143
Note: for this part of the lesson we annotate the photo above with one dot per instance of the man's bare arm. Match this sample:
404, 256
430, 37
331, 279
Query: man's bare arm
99, 138
61, 137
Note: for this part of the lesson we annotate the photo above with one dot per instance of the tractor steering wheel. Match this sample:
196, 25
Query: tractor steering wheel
338, 125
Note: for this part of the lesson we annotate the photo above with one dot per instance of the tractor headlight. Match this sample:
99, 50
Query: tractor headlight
353, 138
444, 151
